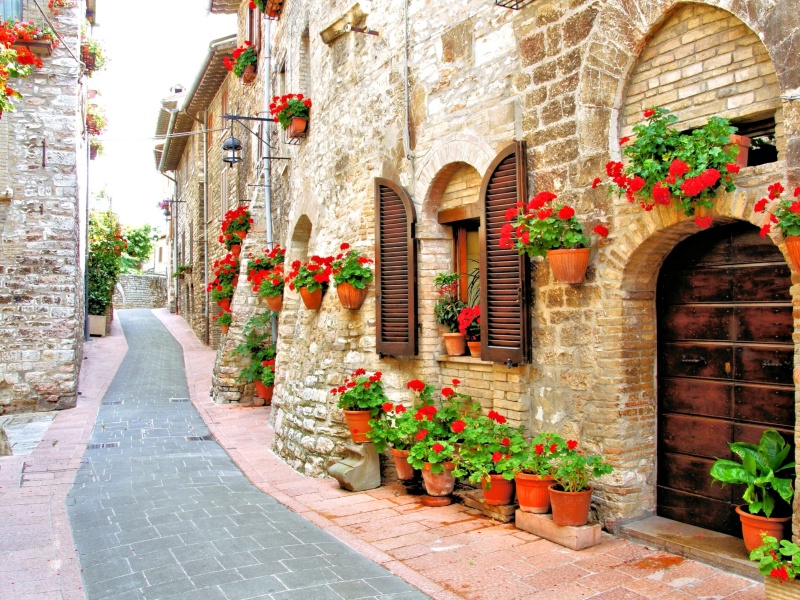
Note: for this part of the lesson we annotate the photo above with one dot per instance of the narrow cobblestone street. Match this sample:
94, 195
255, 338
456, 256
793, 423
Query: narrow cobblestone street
159, 509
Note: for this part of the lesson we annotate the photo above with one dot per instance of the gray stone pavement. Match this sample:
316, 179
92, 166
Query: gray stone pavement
159, 510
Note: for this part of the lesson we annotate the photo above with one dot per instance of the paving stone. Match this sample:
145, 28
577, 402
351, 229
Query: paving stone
163, 517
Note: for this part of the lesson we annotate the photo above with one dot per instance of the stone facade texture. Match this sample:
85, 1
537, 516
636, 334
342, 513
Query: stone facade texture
569, 77
140, 291
42, 178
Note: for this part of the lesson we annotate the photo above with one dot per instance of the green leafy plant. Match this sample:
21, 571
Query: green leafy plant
759, 470
106, 244
139, 248
272, 283
574, 468
259, 346
448, 305
535, 228
785, 213
257, 267
237, 219
224, 318
351, 267
242, 57
96, 122
489, 447
780, 560
315, 274
666, 165
283, 108
360, 391
181, 270
221, 291
540, 456
394, 426
93, 48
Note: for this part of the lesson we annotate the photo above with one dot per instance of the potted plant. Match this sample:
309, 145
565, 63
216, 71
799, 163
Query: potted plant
766, 493
785, 214
96, 122
571, 494
270, 286
361, 398
351, 274
164, 206
779, 562
103, 267
258, 345
39, 39
243, 62
542, 229
56, 5
95, 148
395, 428
439, 433
14, 63
469, 325
224, 320
237, 223
668, 166
258, 267
92, 55
311, 279
292, 112
486, 455
271, 8
533, 472
446, 310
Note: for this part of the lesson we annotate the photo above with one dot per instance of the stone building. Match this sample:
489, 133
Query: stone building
43, 199
680, 340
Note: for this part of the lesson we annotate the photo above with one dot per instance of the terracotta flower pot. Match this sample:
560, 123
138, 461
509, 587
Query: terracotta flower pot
351, 297
743, 142
439, 484
275, 302
236, 249
455, 344
264, 392
358, 424
793, 250
249, 74
500, 491
235, 281
297, 127
312, 300
533, 493
570, 508
224, 329
753, 525
224, 304
474, 349
404, 470
569, 264
240, 234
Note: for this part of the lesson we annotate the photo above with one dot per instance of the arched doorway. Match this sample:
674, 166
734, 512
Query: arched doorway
725, 362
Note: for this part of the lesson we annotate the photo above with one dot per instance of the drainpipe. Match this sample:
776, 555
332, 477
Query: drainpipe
207, 323
268, 152
407, 130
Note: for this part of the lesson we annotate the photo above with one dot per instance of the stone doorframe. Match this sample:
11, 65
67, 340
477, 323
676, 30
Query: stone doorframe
629, 265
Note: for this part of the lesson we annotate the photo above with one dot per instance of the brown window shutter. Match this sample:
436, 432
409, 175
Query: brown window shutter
505, 274
395, 271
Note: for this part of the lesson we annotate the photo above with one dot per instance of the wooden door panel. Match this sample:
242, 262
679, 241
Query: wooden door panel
698, 436
763, 404
697, 360
762, 283
698, 510
696, 396
709, 285
764, 364
690, 474
771, 324
712, 249
751, 434
749, 247
697, 323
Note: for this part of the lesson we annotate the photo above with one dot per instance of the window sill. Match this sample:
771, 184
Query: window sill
469, 360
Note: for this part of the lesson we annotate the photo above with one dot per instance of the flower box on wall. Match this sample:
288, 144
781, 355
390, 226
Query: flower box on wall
38, 47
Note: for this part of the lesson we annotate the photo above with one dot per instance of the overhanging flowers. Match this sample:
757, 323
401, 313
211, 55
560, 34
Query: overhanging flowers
313, 275
240, 58
284, 108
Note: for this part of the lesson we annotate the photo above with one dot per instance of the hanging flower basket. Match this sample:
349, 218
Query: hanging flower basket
569, 264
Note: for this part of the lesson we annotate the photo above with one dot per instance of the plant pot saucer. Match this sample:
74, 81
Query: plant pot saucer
435, 500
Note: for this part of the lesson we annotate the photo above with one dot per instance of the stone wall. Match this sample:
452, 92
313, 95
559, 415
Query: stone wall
566, 77
41, 279
140, 291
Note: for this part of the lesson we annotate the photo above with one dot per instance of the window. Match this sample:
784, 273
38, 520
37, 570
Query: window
763, 147
467, 260
223, 103
11, 9
281, 87
254, 27
305, 64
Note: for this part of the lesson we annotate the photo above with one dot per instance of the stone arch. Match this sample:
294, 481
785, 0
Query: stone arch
297, 246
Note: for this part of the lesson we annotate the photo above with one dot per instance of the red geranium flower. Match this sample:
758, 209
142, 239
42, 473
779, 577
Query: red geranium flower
421, 435
566, 212
387, 406
437, 447
572, 444
458, 426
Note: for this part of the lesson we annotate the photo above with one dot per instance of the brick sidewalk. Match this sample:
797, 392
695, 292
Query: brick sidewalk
449, 552
37, 557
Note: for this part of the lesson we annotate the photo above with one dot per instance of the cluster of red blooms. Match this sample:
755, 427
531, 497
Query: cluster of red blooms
271, 265
29, 31
774, 193
351, 381
496, 416
224, 272
230, 62
281, 103
425, 413
416, 385
54, 5
236, 219
318, 267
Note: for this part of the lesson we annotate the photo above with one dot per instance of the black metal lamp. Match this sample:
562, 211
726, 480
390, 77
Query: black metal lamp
230, 147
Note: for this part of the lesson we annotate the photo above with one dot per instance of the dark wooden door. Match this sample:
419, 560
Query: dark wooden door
725, 361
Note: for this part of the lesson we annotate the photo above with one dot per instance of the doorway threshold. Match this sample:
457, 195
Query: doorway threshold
703, 545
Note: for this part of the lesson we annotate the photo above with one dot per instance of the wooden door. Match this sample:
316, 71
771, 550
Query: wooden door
725, 361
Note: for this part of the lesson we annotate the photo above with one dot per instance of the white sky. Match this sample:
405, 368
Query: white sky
150, 48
